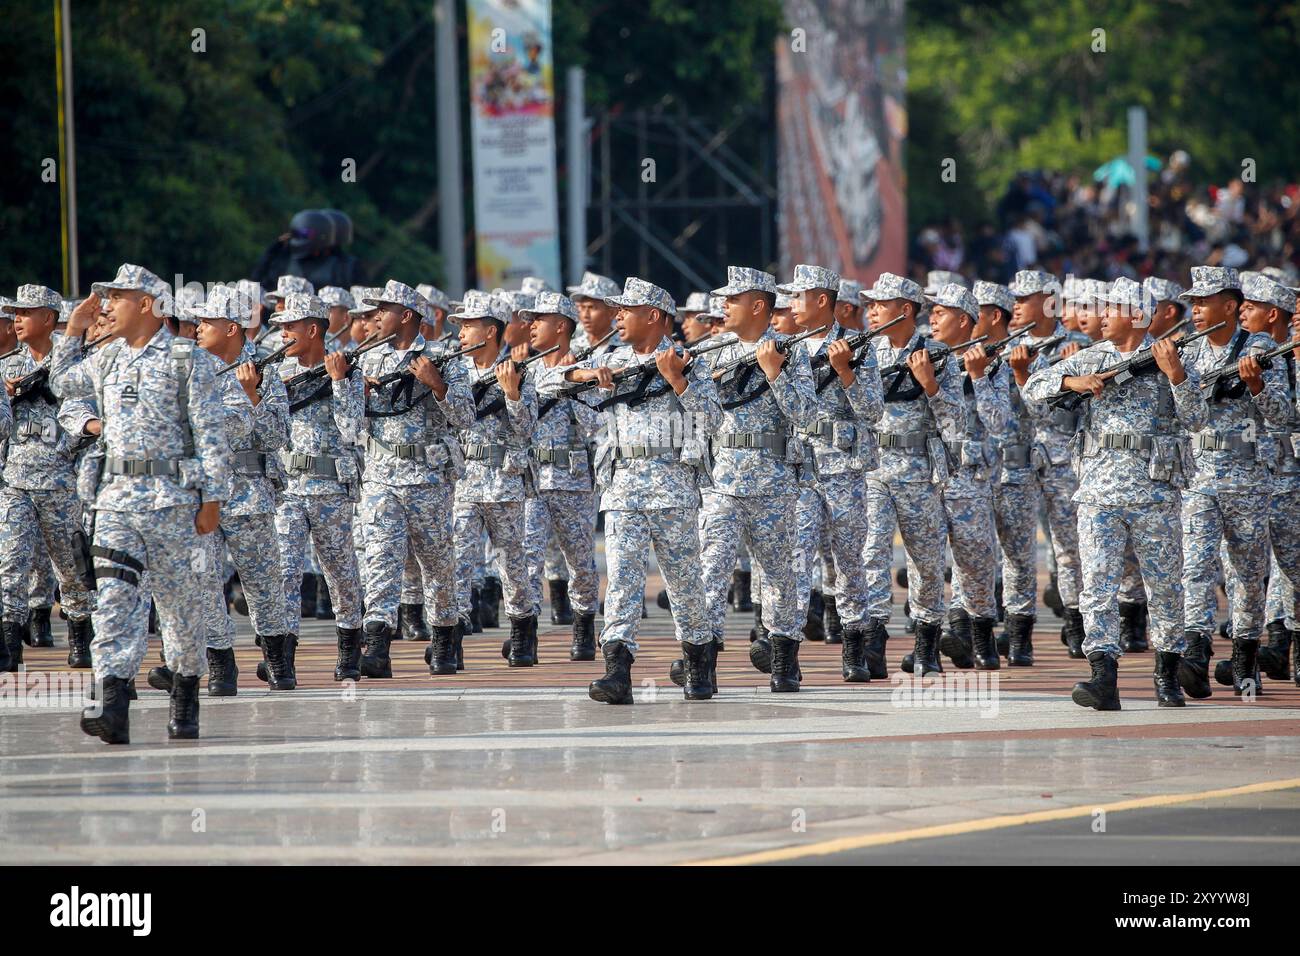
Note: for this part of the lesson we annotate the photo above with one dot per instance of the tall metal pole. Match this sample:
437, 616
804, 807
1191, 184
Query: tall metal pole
1137, 157
451, 184
577, 156
67, 171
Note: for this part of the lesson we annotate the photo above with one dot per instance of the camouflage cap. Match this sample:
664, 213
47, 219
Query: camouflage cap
1207, 280
551, 303
1286, 277
517, 300
1072, 289
741, 279
1032, 281
222, 302
534, 284
65, 310
954, 296
482, 305
696, 302
639, 292
1260, 288
1093, 291
6, 308
139, 279
782, 301
434, 296
717, 310
37, 297
936, 279
333, 295
1162, 290
301, 305
1128, 294
250, 293
810, 277
360, 294
850, 291
400, 294
889, 286
594, 286
287, 284
993, 293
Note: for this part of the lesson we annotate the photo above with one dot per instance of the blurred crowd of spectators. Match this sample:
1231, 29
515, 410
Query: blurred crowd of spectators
1070, 224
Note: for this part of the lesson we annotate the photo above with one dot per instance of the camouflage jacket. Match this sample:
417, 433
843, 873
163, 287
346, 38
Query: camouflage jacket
921, 421
838, 434
495, 446
139, 395
756, 448
1054, 429
416, 446
672, 429
256, 435
41, 453
1152, 465
1281, 446
563, 435
326, 428
974, 453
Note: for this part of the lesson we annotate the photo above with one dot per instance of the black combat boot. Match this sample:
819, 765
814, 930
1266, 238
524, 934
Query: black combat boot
410, 622
458, 640
308, 594
616, 686
983, 647
583, 646
661, 600
831, 619
785, 666
1275, 657
958, 641
153, 619
110, 719
1102, 692
1072, 633
475, 610
715, 648
758, 630
324, 606
1020, 652
521, 650
348, 666
873, 654
925, 649
741, 582
375, 661
1052, 596
15, 634
80, 634
38, 628
1132, 628
490, 602
677, 672
561, 609
853, 650
1194, 668
184, 708
697, 684
1245, 668
223, 674
443, 648
1168, 693
5, 666
291, 657
160, 678
276, 673
1004, 639
760, 652
814, 629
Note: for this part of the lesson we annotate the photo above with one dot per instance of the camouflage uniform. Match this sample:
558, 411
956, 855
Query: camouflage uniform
411, 461
165, 453
1131, 467
38, 500
592, 286
273, 337
323, 480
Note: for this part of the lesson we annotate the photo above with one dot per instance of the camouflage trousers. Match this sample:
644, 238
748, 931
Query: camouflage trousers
766, 526
674, 535
1241, 522
54, 519
569, 518
973, 541
255, 553
43, 581
1057, 487
414, 517
834, 505
915, 509
1154, 533
554, 566
164, 544
325, 521
1015, 516
503, 521
412, 579
1284, 565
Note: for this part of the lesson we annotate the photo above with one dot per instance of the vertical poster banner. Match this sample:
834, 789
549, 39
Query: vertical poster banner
512, 95
841, 125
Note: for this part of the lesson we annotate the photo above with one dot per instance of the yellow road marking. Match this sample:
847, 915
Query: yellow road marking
841, 844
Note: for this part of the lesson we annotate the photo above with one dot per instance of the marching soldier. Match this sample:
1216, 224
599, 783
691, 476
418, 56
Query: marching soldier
166, 473
339, 301
650, 463
1130, 473
407, 486
1169, 309
272, 335
595, 315
322, 483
